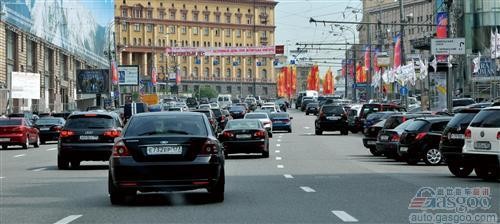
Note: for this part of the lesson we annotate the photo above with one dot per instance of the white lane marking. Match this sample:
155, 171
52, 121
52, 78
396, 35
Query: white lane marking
20, 155
344, 216
279, 140
277, 151
278, 158
307, 127
51, 149
280, 166
288, 176
307, 189
2, 177
278, 145
279, 136
68, 219
39, 169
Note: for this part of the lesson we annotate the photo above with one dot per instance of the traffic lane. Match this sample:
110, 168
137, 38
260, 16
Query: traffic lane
14, 160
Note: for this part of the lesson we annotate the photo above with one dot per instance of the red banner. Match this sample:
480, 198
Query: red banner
294, 80
367, 58
328, 83
397, 51
313, 78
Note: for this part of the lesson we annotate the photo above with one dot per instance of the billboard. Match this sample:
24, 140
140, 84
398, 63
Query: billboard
79, 26
128, 75
92, 81
221, 51
25, 85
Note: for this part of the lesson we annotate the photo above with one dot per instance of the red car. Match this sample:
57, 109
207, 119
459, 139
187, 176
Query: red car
18, 131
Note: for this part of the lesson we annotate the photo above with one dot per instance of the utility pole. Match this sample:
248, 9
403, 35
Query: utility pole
369, 81
402, 35
449, 74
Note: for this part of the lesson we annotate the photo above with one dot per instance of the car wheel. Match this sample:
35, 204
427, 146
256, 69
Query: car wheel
75, 164
37, 142
318, 132
487, 173
375, 152
460, 170
62, 163
217, 191
307, 113
27, 143
118, 196
42, 142
433, 157
344, 132
265, 154
354, 131
4, 147
412, 160
290, 130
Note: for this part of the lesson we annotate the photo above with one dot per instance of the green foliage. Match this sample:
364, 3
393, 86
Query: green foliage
206, 91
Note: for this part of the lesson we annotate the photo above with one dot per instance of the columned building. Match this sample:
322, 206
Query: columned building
145, 29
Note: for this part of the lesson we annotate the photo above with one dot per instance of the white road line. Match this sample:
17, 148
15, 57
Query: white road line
278, 145
277, 151
278, 158
51, 149
280, 166
68, 219
306, 127
344, 216
20, 155
39, 169
2, 177
307, 189
288, 176
279, 140
279, 136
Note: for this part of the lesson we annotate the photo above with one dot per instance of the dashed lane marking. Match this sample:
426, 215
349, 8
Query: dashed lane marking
39, 169
278, 158
278, 145
68, 219
51, 149
277, 151
20, 155
280, 166
307, 189
344, 216
288, 176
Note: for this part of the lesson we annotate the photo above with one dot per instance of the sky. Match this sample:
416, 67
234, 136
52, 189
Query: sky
103, 10
292, 26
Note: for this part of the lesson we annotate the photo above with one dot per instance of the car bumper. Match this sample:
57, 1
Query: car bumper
202, 172
311, 111
13, 139
92, 152
331, 126
481, 160
248, 146
49, 136
281, 126
369, 142
387, 147
237, 116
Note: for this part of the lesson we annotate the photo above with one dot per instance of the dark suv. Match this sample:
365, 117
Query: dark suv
331, 118
452, 142
87, 136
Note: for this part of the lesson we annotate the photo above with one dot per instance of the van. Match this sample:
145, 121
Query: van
307, 93
224, 100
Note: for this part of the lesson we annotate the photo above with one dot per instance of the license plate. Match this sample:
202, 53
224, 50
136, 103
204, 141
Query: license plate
403, 149
457, 136
243, 136
333, 118
164, 150
371, 142
44, 129
384, 137
482, 145
89, 137
4, 139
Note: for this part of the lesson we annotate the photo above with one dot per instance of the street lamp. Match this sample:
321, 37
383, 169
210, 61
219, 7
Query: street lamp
345, 64
342, 28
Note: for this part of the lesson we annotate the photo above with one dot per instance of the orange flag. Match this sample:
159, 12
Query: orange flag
294, 79
327, 82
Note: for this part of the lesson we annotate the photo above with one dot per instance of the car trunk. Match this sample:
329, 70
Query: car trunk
165, 148
89, 136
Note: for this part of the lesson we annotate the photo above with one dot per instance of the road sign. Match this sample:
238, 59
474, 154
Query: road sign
403, 91
448, 46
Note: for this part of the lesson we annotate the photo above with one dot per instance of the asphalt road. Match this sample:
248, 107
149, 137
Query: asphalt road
307, 179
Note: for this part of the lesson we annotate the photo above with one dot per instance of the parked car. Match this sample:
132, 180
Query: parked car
87, 136
353, 120
165, 152
331, 118
264, 118
420, 140
282, 121
18, 131
237, 111
388, 140
211, 118
453, 141
49, 128
245, 136
370, 108
377, 117
482, 143
371, 133
312, 108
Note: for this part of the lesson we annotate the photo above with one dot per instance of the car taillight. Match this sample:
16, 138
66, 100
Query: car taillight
119, 149
286, 121
227, 134
223, 118
56, 128
420, 136
468, 134
209, 147
498, 135
113, 133
66, 133
18, 129
321, 114
211, 121
403, 120
260, 134
395, 138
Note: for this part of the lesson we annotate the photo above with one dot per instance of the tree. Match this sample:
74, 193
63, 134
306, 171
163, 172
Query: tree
206, 91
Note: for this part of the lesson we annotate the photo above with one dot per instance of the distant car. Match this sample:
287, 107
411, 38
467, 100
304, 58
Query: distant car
370, 108
176, 109
353, 119
282, 121
463, 102
245, 136
204, 107
49, 128
214, 105
211, 118
371, 133
87, 136
155, 108
306, 101
264, 118
270, 108
182, 105
191, 102
237, 111
221, 119
18, 131
453, 140
331, 118
377, 117
251, 102
312, 108
165, 152
482, 143
420, 140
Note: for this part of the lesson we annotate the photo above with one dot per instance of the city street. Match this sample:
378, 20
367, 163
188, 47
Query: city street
307, 179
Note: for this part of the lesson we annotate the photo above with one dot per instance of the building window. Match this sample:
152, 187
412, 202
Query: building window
184, 88
195, 72
184, 16
228, 73
263, 34
140, 42
217, 32
249, 73
218, 89
195, 30
149, 14
207, 17
124, 26
238, 20
249, 33
195, 17
238, 73
162, 29
172, 15
250, 90
183, 30
217, 72
184, 72
217, 18
205, 72
124, 12
124, 41
138, 13
228, 19
172, 30
238, 89
149, 42
137, 27
206, 31
264, 74
228, 32
238, 33
30, 55
149, 27
135, 41
162, 15
265, 90
229, 89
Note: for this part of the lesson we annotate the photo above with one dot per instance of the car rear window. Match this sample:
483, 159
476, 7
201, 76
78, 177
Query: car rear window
87, 122
375, 116
166, 125
48, 121
238, 108
417, 125
280, 115
7, 122
217, 112
393, 122
333, 110
403, 125
255, 116
464, 102
242, 124
461, 119
174, 109
487, 119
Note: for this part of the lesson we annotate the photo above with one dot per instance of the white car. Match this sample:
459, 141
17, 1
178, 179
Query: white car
205, 106
214, 105
271, 108
482, 143
264, 118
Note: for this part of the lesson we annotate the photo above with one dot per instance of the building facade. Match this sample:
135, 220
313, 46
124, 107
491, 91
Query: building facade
145, 29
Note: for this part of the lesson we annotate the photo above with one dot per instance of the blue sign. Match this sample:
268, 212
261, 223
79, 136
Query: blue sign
292, 62
359, 85
403, 91
197, 61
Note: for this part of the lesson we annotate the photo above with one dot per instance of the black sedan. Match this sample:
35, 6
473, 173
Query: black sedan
312, 108
370, 139
237, 112
331, 118
50, 128
245, 136
164, 152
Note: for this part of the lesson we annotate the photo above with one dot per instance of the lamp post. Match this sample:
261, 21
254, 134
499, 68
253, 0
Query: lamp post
345, 64
342, 28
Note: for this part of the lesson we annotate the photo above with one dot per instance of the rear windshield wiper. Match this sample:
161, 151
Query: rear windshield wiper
150, 133
177, 132
97, 127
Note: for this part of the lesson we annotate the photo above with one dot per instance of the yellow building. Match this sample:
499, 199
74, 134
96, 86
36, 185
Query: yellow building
145, 29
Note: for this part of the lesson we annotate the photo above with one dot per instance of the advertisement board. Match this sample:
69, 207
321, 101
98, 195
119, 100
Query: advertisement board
92, 81
486, 71
128, 75
438, 91
25, 85
220, 51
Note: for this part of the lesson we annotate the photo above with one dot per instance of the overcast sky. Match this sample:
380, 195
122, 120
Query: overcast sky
292, 25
